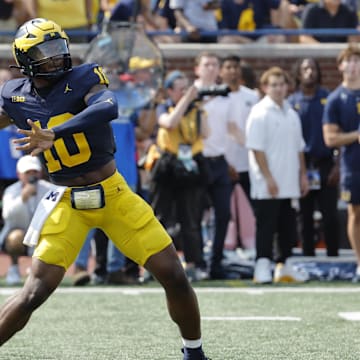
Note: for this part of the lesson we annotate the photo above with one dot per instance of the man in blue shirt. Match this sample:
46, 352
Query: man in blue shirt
309, 100
341, 129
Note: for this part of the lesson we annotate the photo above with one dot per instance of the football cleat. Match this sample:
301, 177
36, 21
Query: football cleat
194, 354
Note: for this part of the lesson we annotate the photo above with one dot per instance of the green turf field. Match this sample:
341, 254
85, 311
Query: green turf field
240, 321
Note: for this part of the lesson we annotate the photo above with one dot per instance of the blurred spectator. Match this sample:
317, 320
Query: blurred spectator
242, 100
277, 175
12, 15
165, 19
248, 76
194, 16
8, 155
71, 15
207, 70
250, 15
322, 167
297, 6
18, 206
5, 75
166, 15
329, 14
141, 12
179, 174
341, 129
6, 9
106, 6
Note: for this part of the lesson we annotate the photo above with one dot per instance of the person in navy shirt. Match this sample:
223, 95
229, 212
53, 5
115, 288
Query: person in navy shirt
328, 14
322, 168
341, 129
250, 15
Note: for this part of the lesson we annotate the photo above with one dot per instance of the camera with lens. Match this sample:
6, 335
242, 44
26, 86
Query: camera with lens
33, 179
214, 90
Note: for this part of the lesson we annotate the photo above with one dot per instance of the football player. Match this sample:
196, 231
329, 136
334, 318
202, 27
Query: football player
64, 113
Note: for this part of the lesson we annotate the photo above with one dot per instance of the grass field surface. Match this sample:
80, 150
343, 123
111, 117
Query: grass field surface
239, 321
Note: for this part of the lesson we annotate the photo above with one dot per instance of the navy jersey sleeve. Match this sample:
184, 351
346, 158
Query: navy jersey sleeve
331, 110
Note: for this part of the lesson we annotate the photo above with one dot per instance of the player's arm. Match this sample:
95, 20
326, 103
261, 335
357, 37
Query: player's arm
102, 106
335, 137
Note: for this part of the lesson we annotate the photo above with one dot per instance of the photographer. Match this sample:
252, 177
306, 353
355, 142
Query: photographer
179, 177
18, 206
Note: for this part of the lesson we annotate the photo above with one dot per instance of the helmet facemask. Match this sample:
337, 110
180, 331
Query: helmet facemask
49, 59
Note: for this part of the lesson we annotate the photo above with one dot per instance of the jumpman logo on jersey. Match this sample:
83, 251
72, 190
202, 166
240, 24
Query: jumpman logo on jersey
67, 88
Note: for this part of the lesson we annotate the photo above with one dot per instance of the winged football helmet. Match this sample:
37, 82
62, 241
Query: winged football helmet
41, 49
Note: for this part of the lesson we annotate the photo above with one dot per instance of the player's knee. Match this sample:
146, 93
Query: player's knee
175, 278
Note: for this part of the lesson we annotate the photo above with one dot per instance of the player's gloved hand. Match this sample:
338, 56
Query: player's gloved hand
36, 140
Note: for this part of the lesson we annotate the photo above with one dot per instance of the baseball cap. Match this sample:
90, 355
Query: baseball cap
27, 163
171, 77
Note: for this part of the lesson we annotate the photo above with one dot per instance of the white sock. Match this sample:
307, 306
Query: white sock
192, 344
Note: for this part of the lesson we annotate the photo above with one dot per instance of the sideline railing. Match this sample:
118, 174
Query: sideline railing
251, 50
340, 32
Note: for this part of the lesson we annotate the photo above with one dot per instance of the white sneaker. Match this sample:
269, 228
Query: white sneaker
13, 275
201, 274
285, 273
196, 274
262, 271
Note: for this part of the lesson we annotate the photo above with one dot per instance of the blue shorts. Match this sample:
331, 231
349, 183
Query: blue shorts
350, 188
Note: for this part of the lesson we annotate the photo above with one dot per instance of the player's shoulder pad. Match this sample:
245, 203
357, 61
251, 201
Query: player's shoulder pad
10, 87
89, 74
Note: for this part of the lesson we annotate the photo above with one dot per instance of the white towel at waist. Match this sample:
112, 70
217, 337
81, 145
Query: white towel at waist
42, 212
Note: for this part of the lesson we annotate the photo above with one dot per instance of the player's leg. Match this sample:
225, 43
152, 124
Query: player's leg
145, 241
181, 299
59, 244
16, 312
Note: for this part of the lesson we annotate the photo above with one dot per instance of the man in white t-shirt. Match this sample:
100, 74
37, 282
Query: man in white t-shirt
242, 100
219, 189
277, 175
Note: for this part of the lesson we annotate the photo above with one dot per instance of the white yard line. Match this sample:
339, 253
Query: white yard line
351, 316
137, 290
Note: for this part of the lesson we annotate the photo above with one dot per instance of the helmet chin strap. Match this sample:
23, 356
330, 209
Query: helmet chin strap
16, 67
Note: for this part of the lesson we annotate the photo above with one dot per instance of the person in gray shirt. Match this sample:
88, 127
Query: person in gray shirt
18, 206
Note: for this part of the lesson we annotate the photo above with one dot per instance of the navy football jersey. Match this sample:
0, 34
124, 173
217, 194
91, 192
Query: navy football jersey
343, 109
310, 110
73, 155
